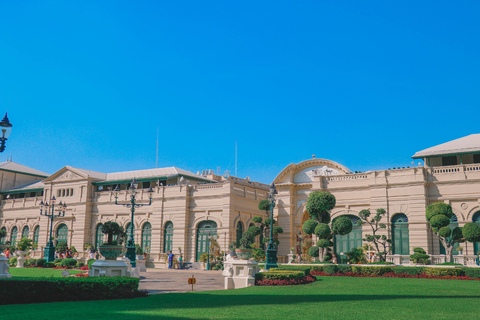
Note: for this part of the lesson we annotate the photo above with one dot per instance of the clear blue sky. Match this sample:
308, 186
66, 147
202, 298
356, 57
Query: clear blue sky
363, 83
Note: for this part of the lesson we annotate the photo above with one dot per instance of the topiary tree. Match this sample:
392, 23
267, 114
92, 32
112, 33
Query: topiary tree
438, 215
61, 247
319, 204
111, 228
265, 225
375, 224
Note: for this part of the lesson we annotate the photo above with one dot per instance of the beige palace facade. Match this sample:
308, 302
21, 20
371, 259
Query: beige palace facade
187, 206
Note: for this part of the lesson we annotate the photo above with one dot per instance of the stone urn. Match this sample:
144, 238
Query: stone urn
21, 258
111, 252
243, 254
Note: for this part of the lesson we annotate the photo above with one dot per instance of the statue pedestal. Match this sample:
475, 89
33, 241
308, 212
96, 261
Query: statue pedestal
109, 268
4, 268
239, 273
141, 265
291, 256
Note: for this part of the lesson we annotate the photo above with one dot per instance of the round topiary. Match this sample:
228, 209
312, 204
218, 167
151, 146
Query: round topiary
323, 231
319, 203
439, 221
313, 251
68, 263
342, 225
90, 262
257, 219
439, 208
444, 232
264, 205
255, 230
471, 232
41, 262
323, 243
309, 226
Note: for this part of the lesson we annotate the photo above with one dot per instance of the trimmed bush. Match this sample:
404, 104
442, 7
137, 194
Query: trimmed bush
90, 262
49, 265
12, 261
30, 262
275, 274
306, 269
371, 271
80, 265
57, 260
408, 270
35, 290
68, 263
344, 268
473, 273
444, 272
41, 262
330, 269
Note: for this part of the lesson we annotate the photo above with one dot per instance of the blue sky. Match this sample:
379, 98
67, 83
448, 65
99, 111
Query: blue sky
363, 83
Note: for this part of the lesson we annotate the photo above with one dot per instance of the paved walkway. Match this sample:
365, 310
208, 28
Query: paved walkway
157, 281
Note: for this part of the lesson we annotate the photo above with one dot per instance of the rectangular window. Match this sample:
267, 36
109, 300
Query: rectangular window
476, 158
449, 161
146, 184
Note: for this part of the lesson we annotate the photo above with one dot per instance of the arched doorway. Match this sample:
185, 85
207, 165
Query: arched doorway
203, 229
4, 238
347, 242
146, 237
400, 235
168, 237
62, 233
98, 236
476, 245
453, 224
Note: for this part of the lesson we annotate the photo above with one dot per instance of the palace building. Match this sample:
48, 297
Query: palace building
186, 207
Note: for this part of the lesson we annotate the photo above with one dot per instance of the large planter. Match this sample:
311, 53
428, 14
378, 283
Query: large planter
243, 254
21, 258
111, 252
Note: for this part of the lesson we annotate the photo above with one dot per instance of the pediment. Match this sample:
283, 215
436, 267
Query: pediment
66, 174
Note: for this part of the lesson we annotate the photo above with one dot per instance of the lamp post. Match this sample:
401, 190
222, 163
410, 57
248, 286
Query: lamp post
132, 205
48, 210
6, 129
271, 250
208, 251
300, 244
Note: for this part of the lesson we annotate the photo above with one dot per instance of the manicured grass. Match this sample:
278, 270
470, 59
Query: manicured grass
38, 272
329, 298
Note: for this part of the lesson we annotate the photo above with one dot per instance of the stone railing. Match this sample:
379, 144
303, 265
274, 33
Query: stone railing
357, 176
470, 260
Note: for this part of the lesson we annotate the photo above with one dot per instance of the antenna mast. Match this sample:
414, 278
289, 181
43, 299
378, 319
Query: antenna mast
156, 159
235, 158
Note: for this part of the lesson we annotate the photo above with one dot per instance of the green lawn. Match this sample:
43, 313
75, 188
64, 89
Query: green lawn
329, 298
38, 272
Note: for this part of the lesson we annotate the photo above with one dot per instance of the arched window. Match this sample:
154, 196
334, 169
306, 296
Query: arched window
36, 234
62, 233
203, 230
146, 236
453, 224
239, 232
476, 245
349, 241
99, 236
3, 239
400, 236
25, 232
168, 237
13, 236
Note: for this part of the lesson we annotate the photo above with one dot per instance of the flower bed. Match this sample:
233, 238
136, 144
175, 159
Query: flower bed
276, 277
285, 282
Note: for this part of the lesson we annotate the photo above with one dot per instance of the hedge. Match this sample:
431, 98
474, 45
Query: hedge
274, 274
35, 290
413, 271
305, 269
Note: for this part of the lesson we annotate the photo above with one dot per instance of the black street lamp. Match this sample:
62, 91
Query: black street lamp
271, 250
132, 205
208, 251
300, 244
48, 210
6, 130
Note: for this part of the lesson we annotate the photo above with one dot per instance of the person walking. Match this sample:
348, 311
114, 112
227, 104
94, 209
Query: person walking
170, 259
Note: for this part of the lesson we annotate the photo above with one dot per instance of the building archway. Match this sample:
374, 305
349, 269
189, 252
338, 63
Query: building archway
203, 229
239, 233
62, 233
476, 245
25, 232
400, 234
347, 242
98, 236
146, 237
168, 237
13, 236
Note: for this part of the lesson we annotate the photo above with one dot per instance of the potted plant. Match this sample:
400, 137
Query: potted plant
245, 250
231, 249
138, 251
460, 250
111, 249
3, 234
23, 246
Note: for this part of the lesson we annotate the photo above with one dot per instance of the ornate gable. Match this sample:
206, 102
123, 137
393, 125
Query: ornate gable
66, 174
